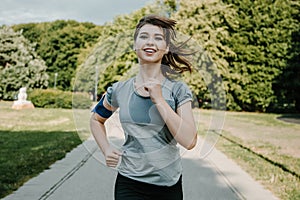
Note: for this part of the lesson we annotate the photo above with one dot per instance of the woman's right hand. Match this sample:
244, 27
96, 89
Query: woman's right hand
112, 156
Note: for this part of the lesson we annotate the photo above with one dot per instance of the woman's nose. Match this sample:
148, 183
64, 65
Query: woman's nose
150, 41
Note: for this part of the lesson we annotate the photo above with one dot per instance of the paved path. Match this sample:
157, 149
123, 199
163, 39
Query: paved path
81, 176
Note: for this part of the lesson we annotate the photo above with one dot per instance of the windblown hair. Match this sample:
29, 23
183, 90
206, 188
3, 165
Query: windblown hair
175, 60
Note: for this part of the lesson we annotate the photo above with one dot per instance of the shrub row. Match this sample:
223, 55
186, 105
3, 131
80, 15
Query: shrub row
51, 98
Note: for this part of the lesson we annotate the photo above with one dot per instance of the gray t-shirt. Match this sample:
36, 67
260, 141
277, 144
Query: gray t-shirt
150, 153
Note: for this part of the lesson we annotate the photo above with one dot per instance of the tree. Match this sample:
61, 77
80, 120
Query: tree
62, 44
112, 58
262, 42
20, 66
287, 86
249, 49
208, 22
114, 49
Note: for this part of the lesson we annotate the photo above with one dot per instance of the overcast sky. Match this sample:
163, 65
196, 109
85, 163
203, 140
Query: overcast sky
95, 11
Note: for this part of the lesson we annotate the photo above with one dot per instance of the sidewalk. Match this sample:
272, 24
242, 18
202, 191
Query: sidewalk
82, 176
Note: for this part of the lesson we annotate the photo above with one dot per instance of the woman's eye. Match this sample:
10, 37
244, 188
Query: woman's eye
143, 37
158, 38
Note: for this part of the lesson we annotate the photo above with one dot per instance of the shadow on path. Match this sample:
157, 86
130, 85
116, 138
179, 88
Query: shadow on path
291, 118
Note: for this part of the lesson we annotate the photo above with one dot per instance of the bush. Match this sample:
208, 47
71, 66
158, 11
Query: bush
81, 100
51, 98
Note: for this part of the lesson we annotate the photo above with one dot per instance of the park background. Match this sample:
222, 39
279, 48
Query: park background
253, 44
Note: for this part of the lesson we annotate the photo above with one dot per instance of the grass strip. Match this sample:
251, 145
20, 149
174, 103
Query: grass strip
280, 165
281, 182
25, 154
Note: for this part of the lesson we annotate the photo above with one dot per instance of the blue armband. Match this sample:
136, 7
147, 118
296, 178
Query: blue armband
101, 110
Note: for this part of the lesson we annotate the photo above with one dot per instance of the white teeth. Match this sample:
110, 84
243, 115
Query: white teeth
149, 50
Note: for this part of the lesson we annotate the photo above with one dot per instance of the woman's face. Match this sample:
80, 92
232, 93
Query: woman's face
150, 44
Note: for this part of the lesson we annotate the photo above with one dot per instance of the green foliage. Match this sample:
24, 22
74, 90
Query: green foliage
52, 98
20, 66
208, 23
263, 44
112, 57
287, 86
81, 101
62, 44
247, 51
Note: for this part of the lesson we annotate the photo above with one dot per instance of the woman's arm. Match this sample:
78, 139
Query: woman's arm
180, 123
97, 126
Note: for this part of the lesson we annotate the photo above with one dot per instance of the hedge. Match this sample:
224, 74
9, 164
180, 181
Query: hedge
51, 98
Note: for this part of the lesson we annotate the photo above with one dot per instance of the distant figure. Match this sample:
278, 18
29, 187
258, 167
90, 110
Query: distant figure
22, 103
22, 96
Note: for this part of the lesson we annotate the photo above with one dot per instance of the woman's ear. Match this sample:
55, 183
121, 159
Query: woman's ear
167, 50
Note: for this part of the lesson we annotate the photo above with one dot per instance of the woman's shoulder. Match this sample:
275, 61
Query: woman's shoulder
180, 92
177, 84
115, 90
121, 84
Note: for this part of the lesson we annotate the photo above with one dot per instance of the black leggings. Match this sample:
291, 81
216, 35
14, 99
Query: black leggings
128, 189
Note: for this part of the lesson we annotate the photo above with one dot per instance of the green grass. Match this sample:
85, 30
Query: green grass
32, 140
280, 182
267, 148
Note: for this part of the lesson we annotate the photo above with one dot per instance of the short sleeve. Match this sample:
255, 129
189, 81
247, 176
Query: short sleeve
111, 95
182, 94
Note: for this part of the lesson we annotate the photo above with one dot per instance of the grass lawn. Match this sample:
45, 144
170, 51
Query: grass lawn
32, 140
264, 146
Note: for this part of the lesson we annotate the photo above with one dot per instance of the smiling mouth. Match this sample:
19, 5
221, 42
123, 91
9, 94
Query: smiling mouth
149, 50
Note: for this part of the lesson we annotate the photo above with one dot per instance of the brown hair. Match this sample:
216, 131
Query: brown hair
176, 57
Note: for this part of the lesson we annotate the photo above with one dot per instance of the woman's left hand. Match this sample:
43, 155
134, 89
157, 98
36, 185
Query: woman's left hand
153, 87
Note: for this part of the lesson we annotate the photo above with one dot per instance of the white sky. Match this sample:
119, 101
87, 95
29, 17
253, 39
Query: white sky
95, 11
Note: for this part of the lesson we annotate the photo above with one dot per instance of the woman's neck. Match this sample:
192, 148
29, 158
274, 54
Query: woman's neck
148, 71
